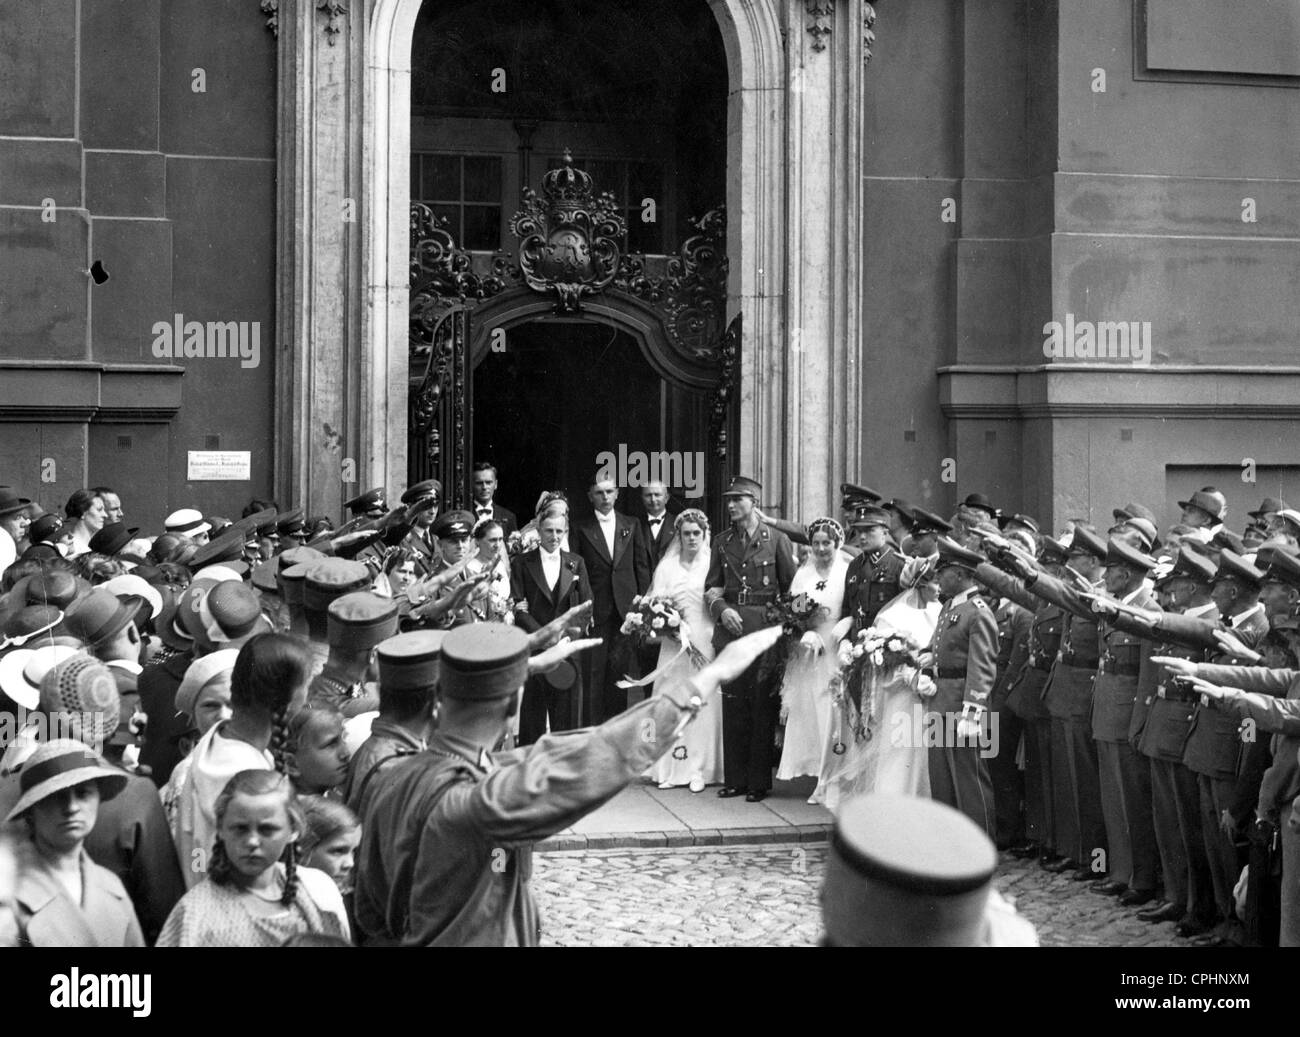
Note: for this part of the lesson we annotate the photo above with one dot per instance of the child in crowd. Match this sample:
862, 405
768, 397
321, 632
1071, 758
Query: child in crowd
318, 755
255, 894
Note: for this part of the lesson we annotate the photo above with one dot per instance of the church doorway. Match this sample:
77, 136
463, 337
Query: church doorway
561, 394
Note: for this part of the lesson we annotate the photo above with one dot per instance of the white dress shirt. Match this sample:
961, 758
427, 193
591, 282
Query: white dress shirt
550, 567
607, 523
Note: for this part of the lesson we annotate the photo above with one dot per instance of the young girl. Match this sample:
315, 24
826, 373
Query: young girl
330, 840
267, 685
63, 898
255, 894
318, 755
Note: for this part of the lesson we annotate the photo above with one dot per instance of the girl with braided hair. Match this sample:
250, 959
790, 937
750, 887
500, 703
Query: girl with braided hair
256, 894
318, 752
268, 684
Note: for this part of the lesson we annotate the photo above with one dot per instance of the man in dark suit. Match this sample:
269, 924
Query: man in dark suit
485, 488
618, 563
544, 584
657, 526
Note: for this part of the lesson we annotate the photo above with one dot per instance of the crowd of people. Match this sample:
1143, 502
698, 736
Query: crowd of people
271, 730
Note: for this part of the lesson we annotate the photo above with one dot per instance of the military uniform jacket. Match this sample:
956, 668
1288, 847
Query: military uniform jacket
446, 852
1124, 674
1167, 713
871, 583
1069, 690
1030, 660
1278, 716
1013, 648
965, 648
1213, 746
747, 576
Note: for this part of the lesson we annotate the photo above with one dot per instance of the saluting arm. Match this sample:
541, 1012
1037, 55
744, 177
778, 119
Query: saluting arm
1188, 631
1258, 687
1058, 593
796, 531
1006, 585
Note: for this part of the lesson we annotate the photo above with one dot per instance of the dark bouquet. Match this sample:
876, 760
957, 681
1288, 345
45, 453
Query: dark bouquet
874, 653
797, 614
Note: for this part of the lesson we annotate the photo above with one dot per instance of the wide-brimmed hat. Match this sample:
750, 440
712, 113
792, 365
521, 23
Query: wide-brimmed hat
61, 764
112, 538
11, 502
98, 617
135, 586
27, 624
1269, 506
188, 521
22, 670
1209, 500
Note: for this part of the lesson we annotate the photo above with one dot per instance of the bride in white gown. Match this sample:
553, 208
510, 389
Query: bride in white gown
888, 754
805, 689
696, 758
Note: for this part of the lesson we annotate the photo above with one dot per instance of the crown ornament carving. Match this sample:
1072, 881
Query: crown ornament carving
569, 237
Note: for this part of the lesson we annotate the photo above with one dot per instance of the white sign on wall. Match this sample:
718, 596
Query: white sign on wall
220, 466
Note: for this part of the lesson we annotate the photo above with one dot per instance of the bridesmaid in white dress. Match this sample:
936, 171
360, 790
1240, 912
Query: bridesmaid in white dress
696, 758
805, 690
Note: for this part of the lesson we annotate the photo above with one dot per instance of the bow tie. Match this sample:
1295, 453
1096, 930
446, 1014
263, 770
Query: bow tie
657, 521
483, 509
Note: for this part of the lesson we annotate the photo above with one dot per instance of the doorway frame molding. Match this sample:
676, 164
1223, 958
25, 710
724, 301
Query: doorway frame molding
794, 197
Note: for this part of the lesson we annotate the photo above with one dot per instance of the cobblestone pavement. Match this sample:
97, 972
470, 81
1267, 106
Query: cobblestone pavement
767, 896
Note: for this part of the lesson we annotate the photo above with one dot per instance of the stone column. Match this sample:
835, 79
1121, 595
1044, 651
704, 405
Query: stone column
323, 397
822, 437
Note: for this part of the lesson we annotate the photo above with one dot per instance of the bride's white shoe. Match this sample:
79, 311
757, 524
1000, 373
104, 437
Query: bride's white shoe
697, 784
667, 785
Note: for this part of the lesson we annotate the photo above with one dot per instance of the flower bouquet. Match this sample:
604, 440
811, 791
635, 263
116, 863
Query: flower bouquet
521, 541
798, 615
652, 619
874, 653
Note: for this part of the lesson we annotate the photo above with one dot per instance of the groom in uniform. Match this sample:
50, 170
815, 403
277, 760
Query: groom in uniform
751, 564
873, 576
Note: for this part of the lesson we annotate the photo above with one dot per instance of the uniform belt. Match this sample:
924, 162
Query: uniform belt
1119, 669
945, 673
1176, 694
751, 598
1081, 662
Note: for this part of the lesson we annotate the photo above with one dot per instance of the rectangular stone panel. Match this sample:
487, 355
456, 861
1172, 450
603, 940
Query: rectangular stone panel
33, 170
1254, 37
119, 73
130, 458
138, 256
28, 448
120, 183
38, 56
43, 285
234, 112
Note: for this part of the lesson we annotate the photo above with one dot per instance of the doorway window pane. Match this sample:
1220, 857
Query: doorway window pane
482, 178
482, 227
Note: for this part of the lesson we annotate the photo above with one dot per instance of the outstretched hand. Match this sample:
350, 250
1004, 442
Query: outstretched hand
545, 662
1170, 662
1233, 645
544, 637
734, 660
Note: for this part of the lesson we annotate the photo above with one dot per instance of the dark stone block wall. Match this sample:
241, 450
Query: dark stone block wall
173, 191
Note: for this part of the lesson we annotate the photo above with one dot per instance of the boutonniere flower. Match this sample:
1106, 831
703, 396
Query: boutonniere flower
572, 567
624, 533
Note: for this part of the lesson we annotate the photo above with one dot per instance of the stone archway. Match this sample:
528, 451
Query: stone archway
794, 189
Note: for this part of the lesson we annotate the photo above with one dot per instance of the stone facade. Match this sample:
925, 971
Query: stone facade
901, 231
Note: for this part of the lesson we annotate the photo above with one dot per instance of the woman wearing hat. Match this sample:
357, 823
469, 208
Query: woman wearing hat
63, 898
15, 518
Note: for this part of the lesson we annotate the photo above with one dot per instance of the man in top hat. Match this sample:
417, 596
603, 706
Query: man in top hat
190, 522
904, 872
446, 850
357, 623
965, 649
1047, 778
873, 577
408, 681
1204, 512
1068, 696
483, 479
544, 584
617, 559
750, 566
977, 510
